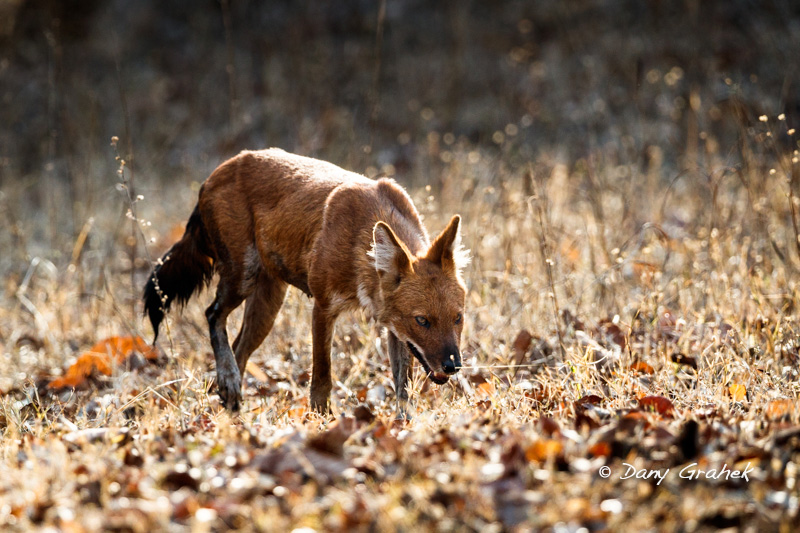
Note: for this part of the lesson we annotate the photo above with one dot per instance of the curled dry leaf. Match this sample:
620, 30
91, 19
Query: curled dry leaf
584, 401
659, 404
100, 359
585, 414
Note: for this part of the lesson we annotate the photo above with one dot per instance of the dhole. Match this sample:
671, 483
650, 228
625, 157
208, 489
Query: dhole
269, 219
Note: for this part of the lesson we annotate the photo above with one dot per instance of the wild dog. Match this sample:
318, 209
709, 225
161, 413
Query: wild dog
269, 219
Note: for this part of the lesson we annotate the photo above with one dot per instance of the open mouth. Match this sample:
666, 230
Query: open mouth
440, 378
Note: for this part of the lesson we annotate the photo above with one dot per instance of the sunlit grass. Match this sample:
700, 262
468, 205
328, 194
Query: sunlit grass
620, 276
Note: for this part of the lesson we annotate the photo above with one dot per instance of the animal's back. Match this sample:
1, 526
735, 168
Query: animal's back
266, 207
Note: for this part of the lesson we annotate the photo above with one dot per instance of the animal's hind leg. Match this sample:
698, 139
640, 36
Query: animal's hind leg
229, 380
260, 311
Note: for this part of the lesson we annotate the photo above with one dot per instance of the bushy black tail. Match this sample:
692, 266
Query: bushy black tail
183, 270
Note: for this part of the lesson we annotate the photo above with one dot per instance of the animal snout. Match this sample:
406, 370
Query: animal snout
452, 363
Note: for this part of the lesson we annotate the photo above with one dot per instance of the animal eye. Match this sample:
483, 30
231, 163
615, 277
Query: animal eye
422, 321
458, 318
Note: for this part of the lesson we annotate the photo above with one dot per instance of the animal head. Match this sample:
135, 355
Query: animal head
423, 296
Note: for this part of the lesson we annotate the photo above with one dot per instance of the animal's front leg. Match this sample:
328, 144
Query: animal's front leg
229, 379
322, 332
400, 359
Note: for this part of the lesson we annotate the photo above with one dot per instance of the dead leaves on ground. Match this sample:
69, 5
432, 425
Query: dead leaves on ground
101, 358
509, 449
413, 472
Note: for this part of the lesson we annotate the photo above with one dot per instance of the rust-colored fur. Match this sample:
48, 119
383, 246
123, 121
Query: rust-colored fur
268, 219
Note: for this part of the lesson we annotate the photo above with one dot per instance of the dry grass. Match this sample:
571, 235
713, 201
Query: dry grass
629, 287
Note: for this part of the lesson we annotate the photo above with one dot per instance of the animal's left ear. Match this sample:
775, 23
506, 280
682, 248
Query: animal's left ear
447, 249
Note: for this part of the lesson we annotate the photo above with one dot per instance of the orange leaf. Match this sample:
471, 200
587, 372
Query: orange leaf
738, 392
777, 409
541, 450
659, 404
297, 412
99, 359
361, 395
120, 348
85, 366
486, 388
600, 449
641, 366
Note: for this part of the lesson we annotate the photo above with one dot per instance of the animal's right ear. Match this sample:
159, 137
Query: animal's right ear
391, 256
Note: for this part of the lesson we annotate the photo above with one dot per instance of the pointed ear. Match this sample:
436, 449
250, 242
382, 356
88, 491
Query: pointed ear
447, 249
391, 255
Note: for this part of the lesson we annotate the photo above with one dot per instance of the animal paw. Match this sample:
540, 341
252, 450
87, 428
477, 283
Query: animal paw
321, 404
230, 390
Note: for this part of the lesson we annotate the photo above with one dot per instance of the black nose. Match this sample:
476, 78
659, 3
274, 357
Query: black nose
452, 363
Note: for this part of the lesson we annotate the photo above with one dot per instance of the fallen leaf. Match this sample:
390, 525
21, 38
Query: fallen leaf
641, 366
332, 439
589, 399
99, 359
484, 405
303, 378
486, 388
613, 332
549, 426
543, 449
659, 404
778, 409
600, 449
632, 422
181, 477
683, 359
362, 413
297, 411
361, 394
737, 391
